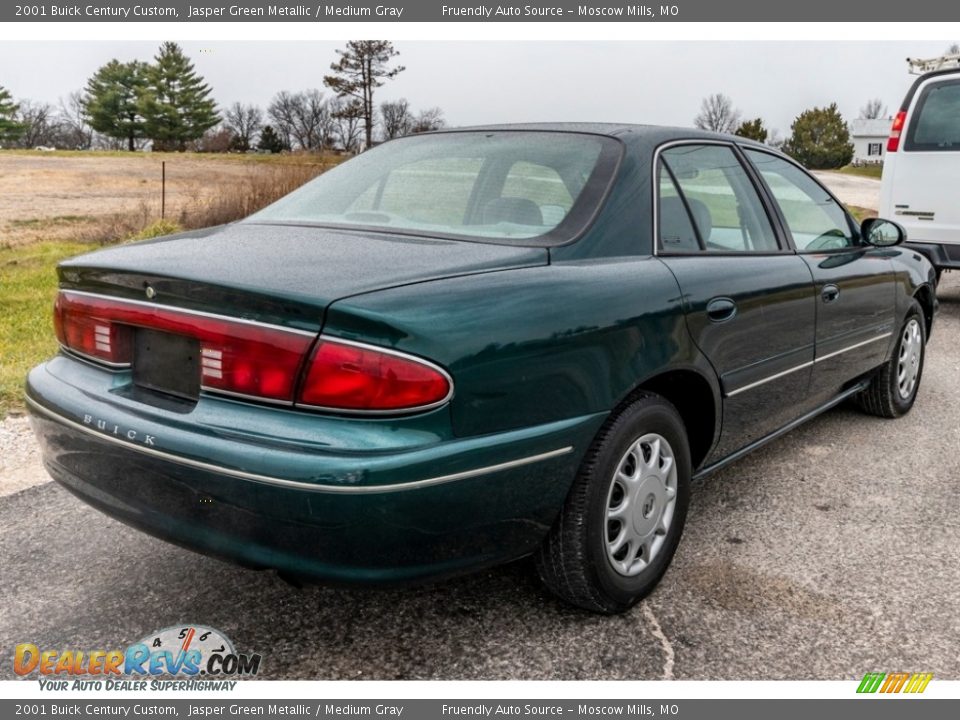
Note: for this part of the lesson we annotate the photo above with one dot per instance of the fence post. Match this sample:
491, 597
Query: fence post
163, 189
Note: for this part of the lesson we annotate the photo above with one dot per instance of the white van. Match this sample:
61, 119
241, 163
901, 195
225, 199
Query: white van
921, 172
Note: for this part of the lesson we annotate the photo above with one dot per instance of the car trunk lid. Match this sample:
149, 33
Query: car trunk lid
279, 274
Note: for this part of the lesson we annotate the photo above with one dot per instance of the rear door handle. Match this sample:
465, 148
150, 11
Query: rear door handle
829, 293
721, 309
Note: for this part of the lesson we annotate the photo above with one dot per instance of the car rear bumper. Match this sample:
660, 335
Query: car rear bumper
322, 497
945, 256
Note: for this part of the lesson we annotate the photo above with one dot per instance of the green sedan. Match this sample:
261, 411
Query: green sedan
466, 347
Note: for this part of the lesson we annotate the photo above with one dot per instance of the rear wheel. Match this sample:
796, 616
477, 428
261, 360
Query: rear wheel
622, 521
893, 389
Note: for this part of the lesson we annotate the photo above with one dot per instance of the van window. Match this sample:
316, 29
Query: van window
936, 121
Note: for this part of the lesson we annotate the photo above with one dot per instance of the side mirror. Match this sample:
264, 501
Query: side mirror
882, 233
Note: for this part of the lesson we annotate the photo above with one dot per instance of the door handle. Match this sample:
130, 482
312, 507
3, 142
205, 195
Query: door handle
721, 309
829, 293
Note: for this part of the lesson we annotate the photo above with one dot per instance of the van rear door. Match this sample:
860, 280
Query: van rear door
924, 190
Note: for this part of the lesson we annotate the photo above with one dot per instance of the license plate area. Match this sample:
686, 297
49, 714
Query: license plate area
166, 363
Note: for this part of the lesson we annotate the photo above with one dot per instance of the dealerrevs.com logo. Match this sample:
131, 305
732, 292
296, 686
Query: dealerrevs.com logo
195, 656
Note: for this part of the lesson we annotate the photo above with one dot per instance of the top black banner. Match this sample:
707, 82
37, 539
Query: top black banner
436, 11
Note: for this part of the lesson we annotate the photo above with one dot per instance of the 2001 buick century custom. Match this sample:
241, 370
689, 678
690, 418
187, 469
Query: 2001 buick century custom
465, 347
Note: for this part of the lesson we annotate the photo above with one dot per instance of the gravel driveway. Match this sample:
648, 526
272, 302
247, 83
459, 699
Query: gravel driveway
852, 189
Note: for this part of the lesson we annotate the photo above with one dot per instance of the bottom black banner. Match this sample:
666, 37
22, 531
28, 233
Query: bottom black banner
872, 708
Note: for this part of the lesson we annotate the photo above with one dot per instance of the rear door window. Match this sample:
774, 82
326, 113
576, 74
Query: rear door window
935, 125
726, 209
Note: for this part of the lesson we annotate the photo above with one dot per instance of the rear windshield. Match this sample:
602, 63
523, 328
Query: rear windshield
513, 187
936, 121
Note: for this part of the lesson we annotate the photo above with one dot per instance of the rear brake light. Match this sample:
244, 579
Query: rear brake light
360, 378
86, 327
893, 142
236, 356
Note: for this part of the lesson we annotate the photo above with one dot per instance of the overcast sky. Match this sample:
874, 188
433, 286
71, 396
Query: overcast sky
481, 82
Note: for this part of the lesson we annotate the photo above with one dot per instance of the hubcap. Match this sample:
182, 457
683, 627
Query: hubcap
640, 504
911, 355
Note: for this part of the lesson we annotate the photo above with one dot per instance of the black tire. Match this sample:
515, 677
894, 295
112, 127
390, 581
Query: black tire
573, 561
883, 397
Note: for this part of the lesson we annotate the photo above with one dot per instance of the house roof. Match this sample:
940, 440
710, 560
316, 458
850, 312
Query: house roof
870, 128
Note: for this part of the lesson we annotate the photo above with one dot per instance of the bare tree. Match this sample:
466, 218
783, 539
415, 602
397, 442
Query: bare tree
396, 119
954, 49
75, 130
717, 114
245, 122
873, 110
363, 66
302, 119
427, 120
39, 124
347, 117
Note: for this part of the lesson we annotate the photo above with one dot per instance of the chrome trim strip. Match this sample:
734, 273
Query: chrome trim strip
768, 379
853, 347
200, 313
229, 394
91, 360
807, 364
296, 484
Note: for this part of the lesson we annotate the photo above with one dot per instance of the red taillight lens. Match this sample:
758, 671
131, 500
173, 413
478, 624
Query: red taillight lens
350, 377
893, 142
235, 356
87, 327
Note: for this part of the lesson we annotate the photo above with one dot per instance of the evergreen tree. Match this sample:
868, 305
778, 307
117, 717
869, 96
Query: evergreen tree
752, 129
270, 141
820, 139
111, 100
176, 104
363, 66
10, 129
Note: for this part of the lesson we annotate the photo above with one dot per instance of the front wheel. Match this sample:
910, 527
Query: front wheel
622, 521
893, 390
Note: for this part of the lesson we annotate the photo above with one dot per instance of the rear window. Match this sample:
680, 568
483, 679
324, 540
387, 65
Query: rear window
936, 120
510, 187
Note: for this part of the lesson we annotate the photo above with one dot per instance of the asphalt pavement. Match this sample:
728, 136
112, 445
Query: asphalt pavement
830, 553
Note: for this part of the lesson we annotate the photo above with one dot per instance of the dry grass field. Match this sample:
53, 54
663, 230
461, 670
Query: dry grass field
104, 197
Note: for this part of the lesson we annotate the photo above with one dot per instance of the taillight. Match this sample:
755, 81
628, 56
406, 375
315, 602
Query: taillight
255, 360
236, 356
351, 377
893, 142
86, 327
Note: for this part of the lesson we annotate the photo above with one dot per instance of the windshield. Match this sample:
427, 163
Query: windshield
509, 186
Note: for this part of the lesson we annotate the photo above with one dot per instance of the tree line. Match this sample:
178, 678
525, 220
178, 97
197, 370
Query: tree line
819, 137
167, 106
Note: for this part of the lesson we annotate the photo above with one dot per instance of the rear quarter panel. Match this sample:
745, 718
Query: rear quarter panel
534, 345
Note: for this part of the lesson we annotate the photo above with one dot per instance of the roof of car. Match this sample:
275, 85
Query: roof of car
655, 133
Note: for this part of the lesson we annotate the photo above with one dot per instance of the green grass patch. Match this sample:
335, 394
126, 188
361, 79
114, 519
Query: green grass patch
27, 291
870, 171
861, 213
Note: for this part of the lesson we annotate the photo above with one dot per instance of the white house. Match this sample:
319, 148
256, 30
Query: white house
869, 140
